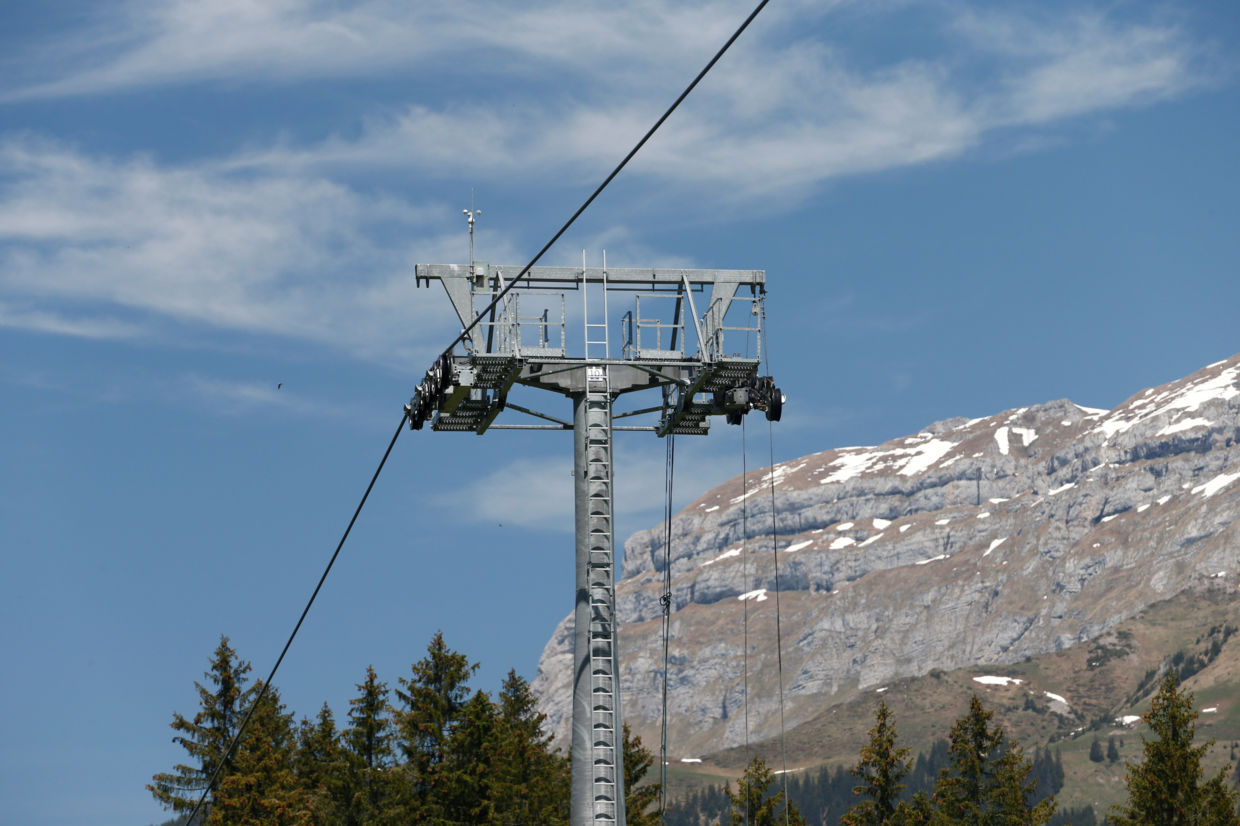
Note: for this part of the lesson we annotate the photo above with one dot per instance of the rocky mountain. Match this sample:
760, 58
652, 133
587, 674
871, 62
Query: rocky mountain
975, 541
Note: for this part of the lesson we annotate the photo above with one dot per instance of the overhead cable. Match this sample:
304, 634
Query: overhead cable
598, 191
779, 644
267, 684
669, 476
461, 337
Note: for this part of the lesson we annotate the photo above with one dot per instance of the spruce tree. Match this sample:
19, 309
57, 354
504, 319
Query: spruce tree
370, 755
751, 805
1165, 789
431, 705
529, 782
1217, 806
881, 769
321, 764
986, 783
462, 782
1013, 789
974, 745
262, 789
639, 800
222, 704
1095, 751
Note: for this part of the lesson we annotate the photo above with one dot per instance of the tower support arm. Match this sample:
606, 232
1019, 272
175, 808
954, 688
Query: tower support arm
635, 277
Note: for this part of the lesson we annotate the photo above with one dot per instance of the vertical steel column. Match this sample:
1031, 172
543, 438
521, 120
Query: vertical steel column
597, 789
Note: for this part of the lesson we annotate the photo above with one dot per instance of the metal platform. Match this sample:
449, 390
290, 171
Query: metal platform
518, 342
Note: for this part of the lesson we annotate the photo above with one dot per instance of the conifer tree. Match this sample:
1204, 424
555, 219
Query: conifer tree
986, 784
431, 701
638, 799
462, 789
881, 769
529, 782
262, 789
321, 764
751, 805
223, 702
368, 745
1218, 802
1095, 751
1165, 788
1014, 788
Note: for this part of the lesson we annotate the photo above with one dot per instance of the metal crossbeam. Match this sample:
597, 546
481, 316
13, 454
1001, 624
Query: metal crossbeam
466, 392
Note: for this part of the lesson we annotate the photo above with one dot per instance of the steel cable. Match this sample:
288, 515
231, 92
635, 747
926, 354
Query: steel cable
447, 351
669, 476
267, 684
636, 148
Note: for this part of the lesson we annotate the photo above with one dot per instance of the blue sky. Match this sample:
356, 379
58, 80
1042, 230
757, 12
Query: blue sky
961, 208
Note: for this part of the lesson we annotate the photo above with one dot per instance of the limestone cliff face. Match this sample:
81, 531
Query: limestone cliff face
973, 541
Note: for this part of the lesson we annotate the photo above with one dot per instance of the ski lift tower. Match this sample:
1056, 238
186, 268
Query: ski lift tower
523, 343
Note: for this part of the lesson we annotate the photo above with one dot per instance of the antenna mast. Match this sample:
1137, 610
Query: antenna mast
470, 215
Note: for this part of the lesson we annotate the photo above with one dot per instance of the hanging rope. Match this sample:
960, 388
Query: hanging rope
665, 599
779, 644
744, 591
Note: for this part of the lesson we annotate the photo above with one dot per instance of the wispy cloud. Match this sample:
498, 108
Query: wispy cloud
231, 396
503, 495
781, 118
143, 43
295, 256
1055, 67
236, 395
279, 239
96, 247
242, 397
41, 321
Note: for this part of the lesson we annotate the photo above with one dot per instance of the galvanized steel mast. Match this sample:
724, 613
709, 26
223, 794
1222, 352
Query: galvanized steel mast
527, 347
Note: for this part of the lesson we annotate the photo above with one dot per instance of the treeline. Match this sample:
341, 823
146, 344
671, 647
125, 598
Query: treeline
429, 750
973, 777
978, 778
433, 751
824, 794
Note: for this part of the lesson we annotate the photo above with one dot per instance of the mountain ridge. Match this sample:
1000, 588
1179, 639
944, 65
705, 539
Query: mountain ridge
973, 541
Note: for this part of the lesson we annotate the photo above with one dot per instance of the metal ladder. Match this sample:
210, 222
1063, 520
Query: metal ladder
594, 327
604, 694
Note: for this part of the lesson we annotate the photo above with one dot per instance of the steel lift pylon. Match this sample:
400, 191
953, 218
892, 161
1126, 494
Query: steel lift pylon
523, 343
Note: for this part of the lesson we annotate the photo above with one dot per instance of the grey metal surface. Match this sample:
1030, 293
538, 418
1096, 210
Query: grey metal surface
597, 790
515, 347
638, 276
468, 287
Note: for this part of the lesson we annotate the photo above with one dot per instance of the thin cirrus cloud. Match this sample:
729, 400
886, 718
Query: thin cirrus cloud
770, 122
285, 255
241, 397
280, 240
141, 44
502, 495
65, 324
1052, 70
